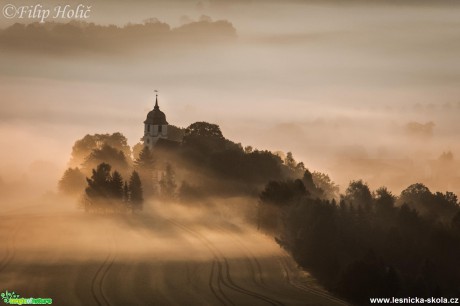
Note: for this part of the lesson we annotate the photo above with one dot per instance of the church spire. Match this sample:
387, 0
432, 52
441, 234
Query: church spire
156, 101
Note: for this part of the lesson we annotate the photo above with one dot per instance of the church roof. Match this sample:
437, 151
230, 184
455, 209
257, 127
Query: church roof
156, 116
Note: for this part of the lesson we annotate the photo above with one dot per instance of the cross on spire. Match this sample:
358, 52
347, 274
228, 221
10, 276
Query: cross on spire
156, 99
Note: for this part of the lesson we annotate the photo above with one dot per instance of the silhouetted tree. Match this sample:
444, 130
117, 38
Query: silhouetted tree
203, 129
416, 193
99, 186
109, 155
307, 180
384, 201
145, 167
324, 182
201, 139
175, 133
300, 168
135, 190
290, 162
359, 194
248, 149
282, 192
116, 186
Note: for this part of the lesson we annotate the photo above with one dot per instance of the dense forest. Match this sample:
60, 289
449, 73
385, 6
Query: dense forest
369, 244
359, 244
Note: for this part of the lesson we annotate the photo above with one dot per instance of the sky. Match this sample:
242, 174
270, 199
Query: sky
334, 82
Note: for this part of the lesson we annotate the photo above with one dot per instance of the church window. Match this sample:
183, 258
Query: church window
159, 128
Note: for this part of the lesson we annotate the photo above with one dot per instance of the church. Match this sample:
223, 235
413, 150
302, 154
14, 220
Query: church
156, 130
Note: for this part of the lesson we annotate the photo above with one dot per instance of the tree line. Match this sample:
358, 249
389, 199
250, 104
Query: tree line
209, 164
368, 244
107, 191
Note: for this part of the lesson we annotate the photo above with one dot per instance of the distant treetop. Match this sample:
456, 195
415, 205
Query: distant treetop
203, 129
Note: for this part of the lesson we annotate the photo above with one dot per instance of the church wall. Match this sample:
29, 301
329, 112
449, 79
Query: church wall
152, 136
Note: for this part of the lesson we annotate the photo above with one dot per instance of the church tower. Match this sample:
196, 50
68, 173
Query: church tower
155, 126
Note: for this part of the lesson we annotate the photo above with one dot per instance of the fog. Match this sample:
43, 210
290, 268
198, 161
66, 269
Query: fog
51, 229
338, 85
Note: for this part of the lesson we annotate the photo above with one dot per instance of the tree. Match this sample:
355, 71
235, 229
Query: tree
281, 193
416, 193
260, 166
105, 189
109, 155
118, 141
290, 162
324, 182
135, 190
300, 168
175, 133
248, 149
145, 166
310, 185
146, 161
201, 139
384, 201
83, 147
359, 194
418, 196
168, 182
137, 148
99, 183
384, 198
203, 129
116, 186
447, 200
72, 182
434, 206
445, 204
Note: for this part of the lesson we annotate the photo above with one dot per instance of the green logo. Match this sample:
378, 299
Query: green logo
14, 299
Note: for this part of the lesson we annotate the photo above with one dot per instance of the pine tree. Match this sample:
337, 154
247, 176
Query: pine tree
99, 187
145, 165
290, 162
99, 183
135, 190
116, 186
145, 161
